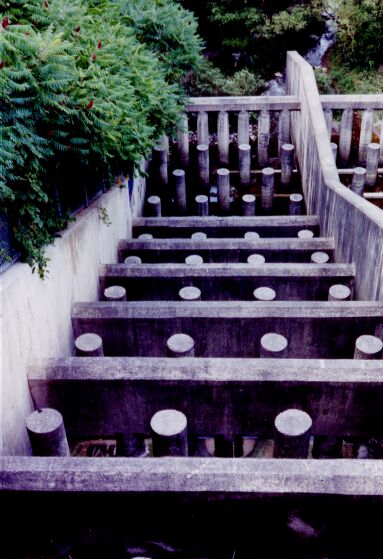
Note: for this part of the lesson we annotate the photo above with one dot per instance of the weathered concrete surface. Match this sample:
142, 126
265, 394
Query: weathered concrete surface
230, 329
266, 226
194, 475
225, 250
222, 282
356, 225
227, 396
36, 314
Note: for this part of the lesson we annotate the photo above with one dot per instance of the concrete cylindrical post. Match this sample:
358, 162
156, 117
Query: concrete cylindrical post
244, 156
283, 129
160, 162
223, 137
287, 163
334, 149
263, 137
115, 293
132, 260
319, 257
267, 192
273, 345
339, 292
292, 434
328, 118
372, 164
365, 135
183, 139
264, 294
358, 180
345, 136
180, 190
190, 293
154, 206
89, 345
295, 204
255, 259
243, 128
180, 345
145, 237
251, 236
46, 433
223, 186
248, 204
199, 236
194, 260
169, 433
368, 347
203, 128
305, 234
202, 205
327, 447
203, 165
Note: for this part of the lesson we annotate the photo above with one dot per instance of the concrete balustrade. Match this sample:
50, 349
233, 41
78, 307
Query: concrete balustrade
339, 292
169, 433
267, 188
295, 204
244, 157
190, 294
292, 434
223, 186
273, 345
368, 347
287, 164
248, 209
202, 205
46, 433
154, 206
203, 164
180, 190
264, 294
372, 164
115, 293
89, 345
358, 180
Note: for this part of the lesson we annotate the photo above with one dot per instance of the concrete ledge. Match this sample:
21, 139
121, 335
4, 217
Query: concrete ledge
193, 475
271, 226
230, 329
267, 103
227, 281
225, 250
227, 396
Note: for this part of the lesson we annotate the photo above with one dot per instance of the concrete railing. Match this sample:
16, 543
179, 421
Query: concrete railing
356, 225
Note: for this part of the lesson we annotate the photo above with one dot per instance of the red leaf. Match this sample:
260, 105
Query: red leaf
99, 44
1, 64
94, 56
78, 29
5, 23
46, 4
90, 105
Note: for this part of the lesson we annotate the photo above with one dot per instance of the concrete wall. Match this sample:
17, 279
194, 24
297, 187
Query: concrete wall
356, 225
36, 314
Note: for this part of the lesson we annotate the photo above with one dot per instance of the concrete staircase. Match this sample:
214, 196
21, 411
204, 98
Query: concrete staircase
231, 391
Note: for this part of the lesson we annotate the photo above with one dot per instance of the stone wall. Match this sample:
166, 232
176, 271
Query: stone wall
36, 314
356, 225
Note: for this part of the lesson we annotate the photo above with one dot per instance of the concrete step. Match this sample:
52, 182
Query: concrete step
265, 226
227, 281
230, 329
218, 396
225, 250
